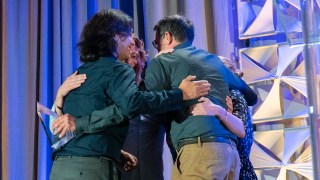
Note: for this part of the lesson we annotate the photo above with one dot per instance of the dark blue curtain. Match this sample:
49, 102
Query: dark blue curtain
38, 51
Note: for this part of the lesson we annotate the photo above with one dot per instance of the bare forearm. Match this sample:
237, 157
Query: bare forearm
72, 82
233, 123
58, 103
207, 108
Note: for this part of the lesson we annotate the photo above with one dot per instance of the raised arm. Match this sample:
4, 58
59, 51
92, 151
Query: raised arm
235, 82
72, 82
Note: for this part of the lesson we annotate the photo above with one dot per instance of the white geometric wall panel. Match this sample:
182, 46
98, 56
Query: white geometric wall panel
282, 154
276, 73
257, 18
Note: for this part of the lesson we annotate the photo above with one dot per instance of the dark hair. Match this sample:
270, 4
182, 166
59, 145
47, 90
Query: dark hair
180, 27
97, 35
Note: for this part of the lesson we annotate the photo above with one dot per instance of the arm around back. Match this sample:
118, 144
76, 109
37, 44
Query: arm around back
237, 83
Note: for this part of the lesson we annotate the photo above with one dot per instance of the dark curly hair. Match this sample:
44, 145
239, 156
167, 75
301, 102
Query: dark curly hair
97, 35
180, 27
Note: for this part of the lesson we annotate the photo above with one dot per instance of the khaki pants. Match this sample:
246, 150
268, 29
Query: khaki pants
207, 161
86, 168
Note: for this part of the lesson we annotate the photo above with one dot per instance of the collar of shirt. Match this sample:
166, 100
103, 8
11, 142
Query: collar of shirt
183, 45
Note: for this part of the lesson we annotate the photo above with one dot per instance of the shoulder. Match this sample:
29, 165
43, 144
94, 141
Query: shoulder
113, 67
166, 57
121, 68
165, 62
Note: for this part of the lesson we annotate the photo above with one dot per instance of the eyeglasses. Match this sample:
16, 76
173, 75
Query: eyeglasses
154, 43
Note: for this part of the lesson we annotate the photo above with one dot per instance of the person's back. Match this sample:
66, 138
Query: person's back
94, 156
206, 149
90, 96
185, 60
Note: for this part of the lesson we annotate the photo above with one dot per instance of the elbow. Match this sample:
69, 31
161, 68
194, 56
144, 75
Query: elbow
253, 99
241, 135
240, 132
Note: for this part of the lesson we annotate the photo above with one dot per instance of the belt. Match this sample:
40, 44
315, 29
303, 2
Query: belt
56, 157
207, 139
